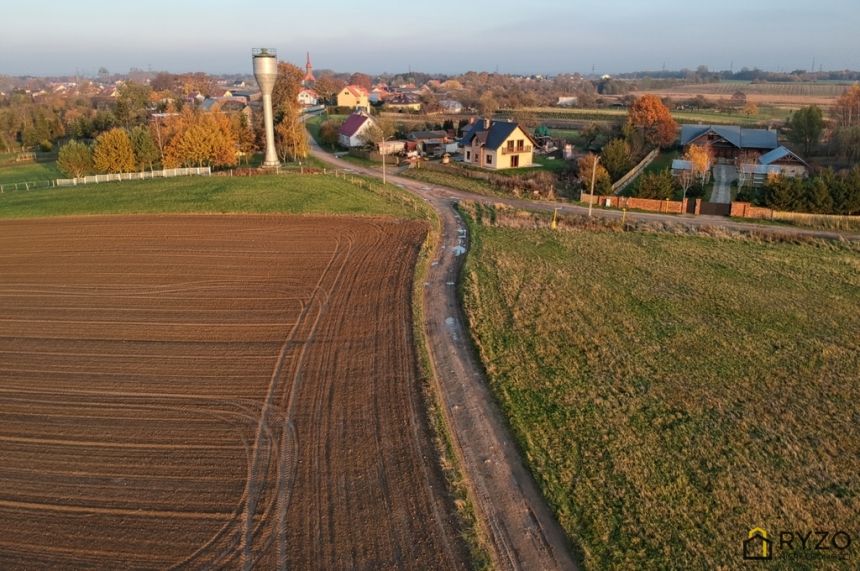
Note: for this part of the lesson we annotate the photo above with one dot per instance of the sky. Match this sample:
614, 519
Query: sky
53, 37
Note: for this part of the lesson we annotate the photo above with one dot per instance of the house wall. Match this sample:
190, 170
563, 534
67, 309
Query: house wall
526, 158
346, 99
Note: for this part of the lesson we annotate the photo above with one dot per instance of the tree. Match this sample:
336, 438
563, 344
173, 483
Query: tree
700, 162
847, 108
783, 193
379, 129
818, 199
329, 132
197, 139
361, 80
291, 140
652, 118
132, 104
487, 104
750, 109
286, 91
658, 185
602, 181
805, 127
146, 153
75, 159
328, 86
590, 135
113, 152
244, 134
616, 158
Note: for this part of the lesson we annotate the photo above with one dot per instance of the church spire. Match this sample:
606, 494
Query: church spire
309, 73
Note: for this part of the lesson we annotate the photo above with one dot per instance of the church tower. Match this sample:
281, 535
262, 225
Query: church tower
309, 79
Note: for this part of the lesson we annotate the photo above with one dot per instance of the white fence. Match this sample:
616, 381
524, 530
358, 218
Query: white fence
143, 175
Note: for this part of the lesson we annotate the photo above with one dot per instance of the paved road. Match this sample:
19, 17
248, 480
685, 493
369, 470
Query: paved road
724, 175
522, 529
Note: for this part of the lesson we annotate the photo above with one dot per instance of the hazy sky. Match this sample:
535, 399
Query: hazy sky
536, 36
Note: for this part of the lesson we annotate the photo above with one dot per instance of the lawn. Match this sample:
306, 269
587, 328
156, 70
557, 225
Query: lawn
451, 180
29, 172
286, 193
670, 392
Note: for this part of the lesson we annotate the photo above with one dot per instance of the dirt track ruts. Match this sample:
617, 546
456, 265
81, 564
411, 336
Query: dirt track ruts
214, 391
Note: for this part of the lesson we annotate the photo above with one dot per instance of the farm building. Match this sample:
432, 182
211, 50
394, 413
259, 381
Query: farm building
780, 161
497, 145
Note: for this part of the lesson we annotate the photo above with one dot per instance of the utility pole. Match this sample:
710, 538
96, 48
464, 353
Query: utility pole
593, 176
382, 151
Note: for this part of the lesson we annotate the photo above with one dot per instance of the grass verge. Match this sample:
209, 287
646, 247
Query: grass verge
288, 193
672, 391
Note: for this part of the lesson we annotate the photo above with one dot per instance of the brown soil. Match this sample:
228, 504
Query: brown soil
214, 391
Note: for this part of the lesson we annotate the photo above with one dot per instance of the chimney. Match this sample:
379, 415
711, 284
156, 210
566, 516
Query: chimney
486, 123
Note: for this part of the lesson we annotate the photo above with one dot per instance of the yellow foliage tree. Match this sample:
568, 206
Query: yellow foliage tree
113, 152
847, 108
700, 158
196, 139
602, 181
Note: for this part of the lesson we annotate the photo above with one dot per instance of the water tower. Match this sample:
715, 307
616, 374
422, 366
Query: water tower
266, 72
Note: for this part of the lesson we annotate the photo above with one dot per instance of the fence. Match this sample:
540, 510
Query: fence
649, 204
625, 180
143, 175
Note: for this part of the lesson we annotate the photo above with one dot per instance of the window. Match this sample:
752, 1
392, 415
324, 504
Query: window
468, 155
520, 144
489, 159
511, 145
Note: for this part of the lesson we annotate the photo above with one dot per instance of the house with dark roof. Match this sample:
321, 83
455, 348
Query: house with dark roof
497, 145
728, 142
779, 162
356, 125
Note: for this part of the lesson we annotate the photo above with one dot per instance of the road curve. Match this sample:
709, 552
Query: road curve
521, 528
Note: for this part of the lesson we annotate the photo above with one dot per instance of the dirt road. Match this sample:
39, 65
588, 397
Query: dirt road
523, 531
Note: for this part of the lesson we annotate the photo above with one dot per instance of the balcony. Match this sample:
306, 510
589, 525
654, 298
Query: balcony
516, 150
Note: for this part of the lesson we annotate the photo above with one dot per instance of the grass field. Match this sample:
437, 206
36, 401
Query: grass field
29, 172
671, 392
286, 193
765, 113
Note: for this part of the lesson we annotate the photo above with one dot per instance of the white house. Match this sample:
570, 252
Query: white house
353, 128
308, 97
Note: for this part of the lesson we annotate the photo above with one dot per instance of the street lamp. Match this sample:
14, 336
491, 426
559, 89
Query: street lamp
593, 176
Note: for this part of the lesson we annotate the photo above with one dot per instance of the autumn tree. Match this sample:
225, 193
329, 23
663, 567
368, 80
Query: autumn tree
362, 80
328, 86
487, 104
805, 126
291, 138
652, 118
379, 130
243, 132
146, 153
602, 181
197, 139
286, 91
329, 132
616, 158
113, 152
700, 158
75, 159
846, 111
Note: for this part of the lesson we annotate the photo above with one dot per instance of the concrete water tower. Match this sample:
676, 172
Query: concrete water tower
266, 72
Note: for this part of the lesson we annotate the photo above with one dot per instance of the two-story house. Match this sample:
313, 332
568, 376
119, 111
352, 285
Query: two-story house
497, 145
353, 97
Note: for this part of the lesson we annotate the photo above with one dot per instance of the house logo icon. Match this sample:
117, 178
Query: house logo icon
757, 546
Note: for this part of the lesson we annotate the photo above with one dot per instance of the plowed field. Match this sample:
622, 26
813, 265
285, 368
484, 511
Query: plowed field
214, 391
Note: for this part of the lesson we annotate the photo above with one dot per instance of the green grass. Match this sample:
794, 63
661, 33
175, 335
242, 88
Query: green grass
451, 180
671, 391
29, 172
286, 193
